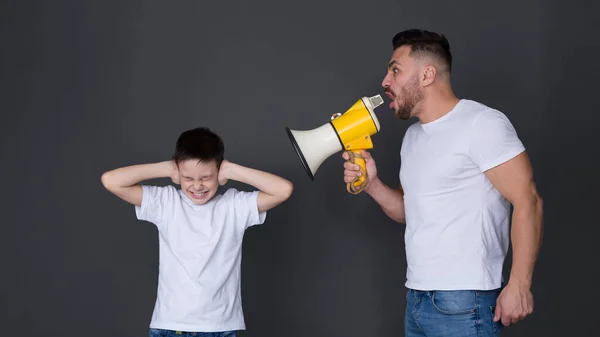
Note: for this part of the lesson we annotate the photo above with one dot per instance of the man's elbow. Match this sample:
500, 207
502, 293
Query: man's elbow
539, 204
539, 209
532, 206
401, 220
396, 216
536, 202
530, 200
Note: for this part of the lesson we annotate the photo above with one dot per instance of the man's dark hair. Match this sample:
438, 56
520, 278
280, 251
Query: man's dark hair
200, 144
426, 42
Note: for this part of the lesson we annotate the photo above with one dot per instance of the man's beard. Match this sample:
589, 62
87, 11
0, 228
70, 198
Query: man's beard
411, 96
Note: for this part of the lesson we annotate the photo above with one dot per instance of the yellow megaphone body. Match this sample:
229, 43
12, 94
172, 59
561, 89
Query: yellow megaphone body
350, 131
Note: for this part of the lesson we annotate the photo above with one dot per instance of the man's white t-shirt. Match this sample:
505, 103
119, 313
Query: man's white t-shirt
457, 223
200, 257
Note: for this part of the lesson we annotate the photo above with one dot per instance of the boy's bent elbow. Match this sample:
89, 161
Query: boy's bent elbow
106, 180
284, 193
287, 190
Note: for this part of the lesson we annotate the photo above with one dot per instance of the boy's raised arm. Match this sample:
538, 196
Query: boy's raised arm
124, 182
273, 189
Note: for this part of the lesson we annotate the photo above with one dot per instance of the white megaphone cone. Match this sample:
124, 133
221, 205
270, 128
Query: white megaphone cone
314, 146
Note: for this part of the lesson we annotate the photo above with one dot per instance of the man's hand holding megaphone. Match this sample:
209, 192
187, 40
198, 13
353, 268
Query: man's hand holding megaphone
353, 172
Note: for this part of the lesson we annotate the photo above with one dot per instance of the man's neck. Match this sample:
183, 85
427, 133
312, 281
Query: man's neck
438, 103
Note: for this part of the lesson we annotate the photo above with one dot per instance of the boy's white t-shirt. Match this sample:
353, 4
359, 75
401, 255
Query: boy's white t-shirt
200, 256
457, 223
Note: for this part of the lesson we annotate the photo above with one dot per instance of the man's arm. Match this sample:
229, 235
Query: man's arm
514, 180
124, 182
390, 200
273, 190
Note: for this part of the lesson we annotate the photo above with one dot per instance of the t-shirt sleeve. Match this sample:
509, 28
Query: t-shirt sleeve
494, 140
156, 203
246, 208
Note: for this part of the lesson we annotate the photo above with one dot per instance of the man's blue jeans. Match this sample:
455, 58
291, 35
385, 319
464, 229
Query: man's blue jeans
462, 313
170, 333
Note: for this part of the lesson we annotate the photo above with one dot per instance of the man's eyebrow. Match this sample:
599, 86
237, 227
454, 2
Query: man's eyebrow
392, 63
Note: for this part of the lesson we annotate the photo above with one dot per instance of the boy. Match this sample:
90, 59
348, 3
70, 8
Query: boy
200, 231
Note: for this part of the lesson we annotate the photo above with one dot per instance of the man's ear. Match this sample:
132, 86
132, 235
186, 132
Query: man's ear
428, 75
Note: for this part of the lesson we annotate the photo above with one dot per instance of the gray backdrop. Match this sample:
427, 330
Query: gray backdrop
90, 86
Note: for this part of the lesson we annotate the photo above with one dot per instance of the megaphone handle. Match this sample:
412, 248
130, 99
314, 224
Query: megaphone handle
359, 183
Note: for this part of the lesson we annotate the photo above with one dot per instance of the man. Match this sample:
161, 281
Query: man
462, 165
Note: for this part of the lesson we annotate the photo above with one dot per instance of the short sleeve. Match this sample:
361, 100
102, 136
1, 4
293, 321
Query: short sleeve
494, 140
246, 208
156, 202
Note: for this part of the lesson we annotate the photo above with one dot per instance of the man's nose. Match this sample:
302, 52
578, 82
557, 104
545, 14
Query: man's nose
386, 81
197, 185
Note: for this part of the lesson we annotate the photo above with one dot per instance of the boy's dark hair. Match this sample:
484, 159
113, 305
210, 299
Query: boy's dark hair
423, 41
201, 144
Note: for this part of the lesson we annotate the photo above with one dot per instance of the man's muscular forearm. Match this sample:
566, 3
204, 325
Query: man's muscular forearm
390, 200
526, 235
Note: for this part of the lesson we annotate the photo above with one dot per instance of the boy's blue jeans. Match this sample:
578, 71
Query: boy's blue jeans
170, 333
463, 313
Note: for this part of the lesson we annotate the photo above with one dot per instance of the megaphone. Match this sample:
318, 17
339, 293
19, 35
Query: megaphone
350, 131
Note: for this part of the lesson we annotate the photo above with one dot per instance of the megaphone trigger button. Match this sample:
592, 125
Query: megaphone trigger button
335, 115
